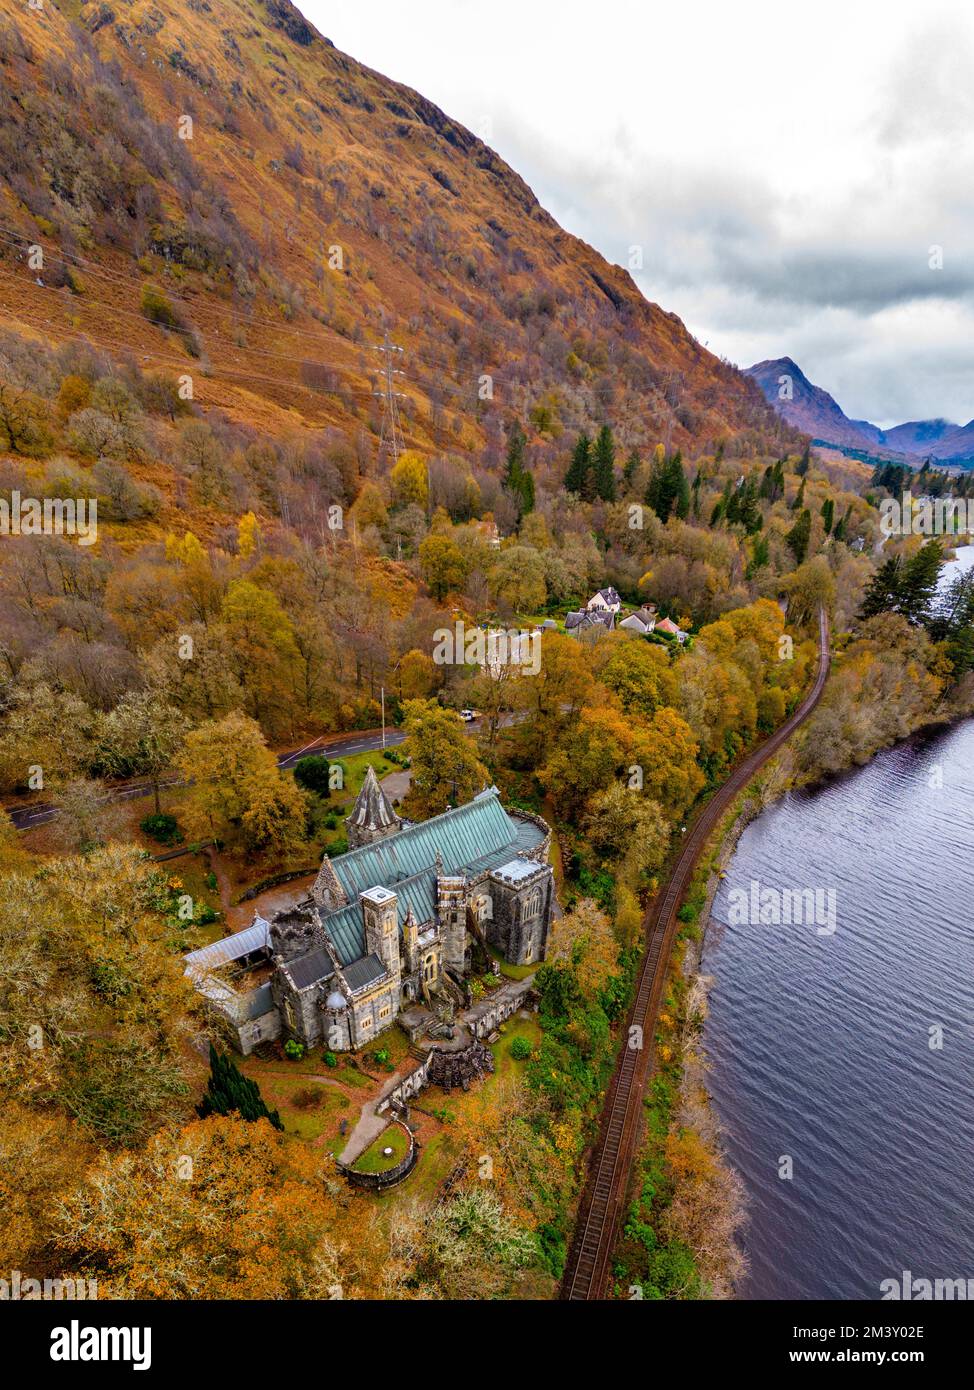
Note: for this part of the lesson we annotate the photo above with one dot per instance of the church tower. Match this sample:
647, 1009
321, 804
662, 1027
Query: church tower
372, 815
380, 911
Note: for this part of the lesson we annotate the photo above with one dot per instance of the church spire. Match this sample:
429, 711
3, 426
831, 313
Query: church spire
372, 816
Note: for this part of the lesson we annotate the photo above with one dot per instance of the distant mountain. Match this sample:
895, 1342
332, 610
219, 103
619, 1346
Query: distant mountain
786, 387
917, 436
955, 447
810, 408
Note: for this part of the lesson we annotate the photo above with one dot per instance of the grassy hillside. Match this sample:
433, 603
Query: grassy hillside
218, 192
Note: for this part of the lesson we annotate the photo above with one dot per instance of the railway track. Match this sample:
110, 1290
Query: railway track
587, 1269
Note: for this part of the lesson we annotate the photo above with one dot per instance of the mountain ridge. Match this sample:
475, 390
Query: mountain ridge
811, 408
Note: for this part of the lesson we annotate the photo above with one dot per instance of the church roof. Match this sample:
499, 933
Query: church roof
471, 838
229, 949
372, 809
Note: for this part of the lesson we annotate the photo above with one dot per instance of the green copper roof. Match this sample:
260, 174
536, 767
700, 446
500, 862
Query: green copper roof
471, 838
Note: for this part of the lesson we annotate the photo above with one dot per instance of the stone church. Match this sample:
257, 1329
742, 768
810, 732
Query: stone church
388, 929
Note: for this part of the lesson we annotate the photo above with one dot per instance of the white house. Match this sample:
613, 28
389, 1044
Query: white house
605, 601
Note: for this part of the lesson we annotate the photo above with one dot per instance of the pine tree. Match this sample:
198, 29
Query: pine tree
828, 514
760, 556
519, 480
748, 511
921, 574
799, 536
681, 488
804, 463
906, 587
883, 591
577, 469
603, 464
842, 526
779, 480
632, 463
668, 490
228, 1092
799, 501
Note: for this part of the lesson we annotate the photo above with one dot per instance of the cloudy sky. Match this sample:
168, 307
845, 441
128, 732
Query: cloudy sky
789, 172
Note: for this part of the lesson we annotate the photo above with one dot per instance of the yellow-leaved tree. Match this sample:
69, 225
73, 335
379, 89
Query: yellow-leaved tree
239, 795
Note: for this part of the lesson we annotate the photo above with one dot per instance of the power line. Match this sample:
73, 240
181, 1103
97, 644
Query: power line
391, 423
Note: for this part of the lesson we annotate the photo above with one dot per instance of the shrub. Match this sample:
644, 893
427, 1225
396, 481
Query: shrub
520, 1049
163, 829
158, 308
313, 774
293, 1050
330, 1059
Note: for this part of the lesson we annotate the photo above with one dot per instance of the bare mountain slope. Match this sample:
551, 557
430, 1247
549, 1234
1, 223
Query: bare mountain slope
290, 207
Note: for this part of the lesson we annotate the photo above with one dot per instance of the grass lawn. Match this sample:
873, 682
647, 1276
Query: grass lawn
356, 765
515, 1027
308, 1108
373, 1160
510, 972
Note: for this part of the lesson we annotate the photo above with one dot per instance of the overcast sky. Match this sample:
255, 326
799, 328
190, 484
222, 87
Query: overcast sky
786, 169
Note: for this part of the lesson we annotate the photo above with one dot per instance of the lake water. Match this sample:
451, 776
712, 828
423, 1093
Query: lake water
819, 1042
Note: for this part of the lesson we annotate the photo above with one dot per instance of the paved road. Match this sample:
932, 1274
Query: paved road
603, 1201
336, 746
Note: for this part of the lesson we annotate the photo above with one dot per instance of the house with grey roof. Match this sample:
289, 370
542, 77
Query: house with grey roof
641, 622
389, 927
604, 601
586, 623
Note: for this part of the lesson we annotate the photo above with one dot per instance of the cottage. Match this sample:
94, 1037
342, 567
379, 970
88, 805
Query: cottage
667, 626
641, 622
589, 624
605, 601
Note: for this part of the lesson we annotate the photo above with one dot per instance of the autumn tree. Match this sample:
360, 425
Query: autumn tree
409, 479
261, 640
142, 736
94, 1005
238, 794
627, 829
220, 1208
640, 674
443, 761
582, 942
517, 579
443, 564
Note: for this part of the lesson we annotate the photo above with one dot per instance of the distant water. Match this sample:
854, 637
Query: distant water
819, 1045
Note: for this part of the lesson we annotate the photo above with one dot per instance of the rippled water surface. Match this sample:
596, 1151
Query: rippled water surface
819, 1045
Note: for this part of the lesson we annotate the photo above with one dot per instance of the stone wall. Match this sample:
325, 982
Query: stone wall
266, 1028
378, 1181
540, 851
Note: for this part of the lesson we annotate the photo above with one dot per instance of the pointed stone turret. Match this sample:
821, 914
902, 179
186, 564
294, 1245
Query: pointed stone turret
372, 815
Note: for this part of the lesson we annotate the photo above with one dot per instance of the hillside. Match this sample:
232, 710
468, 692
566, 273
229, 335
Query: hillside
809, 408
284, 207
